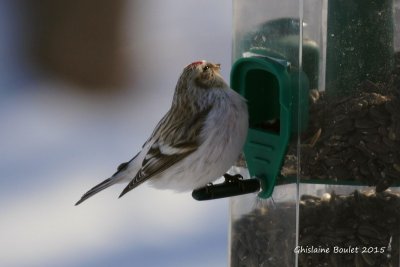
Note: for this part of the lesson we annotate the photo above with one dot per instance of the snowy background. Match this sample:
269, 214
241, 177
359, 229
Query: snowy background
56, 143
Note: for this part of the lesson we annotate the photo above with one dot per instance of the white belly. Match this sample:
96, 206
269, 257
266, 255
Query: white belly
224, 135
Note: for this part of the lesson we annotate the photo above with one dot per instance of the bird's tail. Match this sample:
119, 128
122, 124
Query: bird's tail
101, 186
120, 175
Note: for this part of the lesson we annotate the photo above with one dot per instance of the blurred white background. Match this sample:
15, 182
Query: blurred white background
58, 139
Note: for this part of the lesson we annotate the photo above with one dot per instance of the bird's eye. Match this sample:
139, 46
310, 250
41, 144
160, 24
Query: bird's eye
206, 68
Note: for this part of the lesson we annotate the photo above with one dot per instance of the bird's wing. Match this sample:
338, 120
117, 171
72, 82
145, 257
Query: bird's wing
173, 142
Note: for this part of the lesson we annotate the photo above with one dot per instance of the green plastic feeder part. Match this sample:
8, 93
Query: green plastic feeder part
272, 90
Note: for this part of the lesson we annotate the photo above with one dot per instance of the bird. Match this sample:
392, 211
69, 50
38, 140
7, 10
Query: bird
196, 141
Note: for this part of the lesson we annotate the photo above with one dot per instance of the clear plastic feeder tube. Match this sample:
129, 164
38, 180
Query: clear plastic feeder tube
340, 172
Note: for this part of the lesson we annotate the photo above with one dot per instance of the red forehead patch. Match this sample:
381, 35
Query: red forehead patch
195, 63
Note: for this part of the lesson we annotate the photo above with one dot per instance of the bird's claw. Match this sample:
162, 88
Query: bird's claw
232, 178
232, 186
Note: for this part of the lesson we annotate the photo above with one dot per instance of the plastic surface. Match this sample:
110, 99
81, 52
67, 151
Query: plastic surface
359, 42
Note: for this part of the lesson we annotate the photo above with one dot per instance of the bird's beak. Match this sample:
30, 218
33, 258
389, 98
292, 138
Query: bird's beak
217, 67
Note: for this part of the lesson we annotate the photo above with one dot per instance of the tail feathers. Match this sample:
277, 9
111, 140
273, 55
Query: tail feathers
101, 186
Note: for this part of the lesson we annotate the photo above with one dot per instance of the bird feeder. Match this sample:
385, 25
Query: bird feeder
322, 82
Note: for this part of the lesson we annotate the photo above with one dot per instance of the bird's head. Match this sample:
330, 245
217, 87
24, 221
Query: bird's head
198, 85
204, 75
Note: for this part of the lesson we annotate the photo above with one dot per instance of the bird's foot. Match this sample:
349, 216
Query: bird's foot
232, 186
232, 178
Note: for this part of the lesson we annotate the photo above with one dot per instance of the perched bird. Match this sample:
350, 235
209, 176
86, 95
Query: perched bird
195, 143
